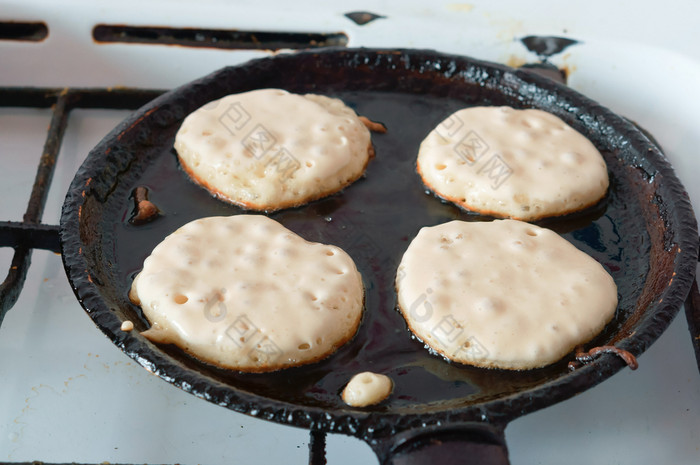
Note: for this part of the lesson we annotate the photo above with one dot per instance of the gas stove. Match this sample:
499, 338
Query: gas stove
69, 395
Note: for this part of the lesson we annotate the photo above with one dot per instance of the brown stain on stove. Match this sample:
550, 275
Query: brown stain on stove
43, 389
37, 390
508, 28
515, 61
72, 378
107, 367
568, 70
460, 7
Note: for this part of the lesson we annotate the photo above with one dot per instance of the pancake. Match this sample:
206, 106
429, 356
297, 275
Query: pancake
502, 294
245, 293
269, 149
521, 164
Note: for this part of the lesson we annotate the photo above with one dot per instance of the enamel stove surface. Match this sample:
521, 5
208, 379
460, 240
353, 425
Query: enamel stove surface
68, 394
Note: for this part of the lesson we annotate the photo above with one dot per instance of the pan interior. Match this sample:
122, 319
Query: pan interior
374, 220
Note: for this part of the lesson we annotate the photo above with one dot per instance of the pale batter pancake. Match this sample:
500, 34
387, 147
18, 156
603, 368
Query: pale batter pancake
269, 149
502, 294
245, 293
522, 164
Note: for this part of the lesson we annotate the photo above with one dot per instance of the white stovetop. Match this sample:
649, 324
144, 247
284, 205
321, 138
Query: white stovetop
67, 394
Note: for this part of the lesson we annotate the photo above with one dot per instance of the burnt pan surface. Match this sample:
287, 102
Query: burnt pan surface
643, 233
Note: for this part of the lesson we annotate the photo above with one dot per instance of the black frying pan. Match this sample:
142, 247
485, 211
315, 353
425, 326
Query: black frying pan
644, 233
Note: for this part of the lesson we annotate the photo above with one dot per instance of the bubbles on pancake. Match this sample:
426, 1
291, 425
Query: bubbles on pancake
246, 150
496, 294
267, 300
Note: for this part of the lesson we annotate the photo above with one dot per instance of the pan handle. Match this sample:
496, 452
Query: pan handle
461, 443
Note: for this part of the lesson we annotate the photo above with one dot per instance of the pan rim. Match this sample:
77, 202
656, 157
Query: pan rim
373, 425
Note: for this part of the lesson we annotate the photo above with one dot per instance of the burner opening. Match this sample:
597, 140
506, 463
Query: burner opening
217, 38
25, 32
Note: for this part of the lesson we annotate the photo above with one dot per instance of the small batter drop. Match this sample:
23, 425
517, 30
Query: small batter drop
367, 388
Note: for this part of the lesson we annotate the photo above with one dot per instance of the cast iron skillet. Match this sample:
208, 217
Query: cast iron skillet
644, 233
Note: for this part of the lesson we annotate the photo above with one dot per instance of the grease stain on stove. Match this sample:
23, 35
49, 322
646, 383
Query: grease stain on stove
515, 61
41, 395
462, 7
69, 380
507, 28
15, 435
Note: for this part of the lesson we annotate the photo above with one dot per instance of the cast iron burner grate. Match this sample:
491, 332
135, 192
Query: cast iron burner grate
28, 234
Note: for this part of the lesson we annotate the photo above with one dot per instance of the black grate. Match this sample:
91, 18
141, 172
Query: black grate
29, 234
230, 39
23, 31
